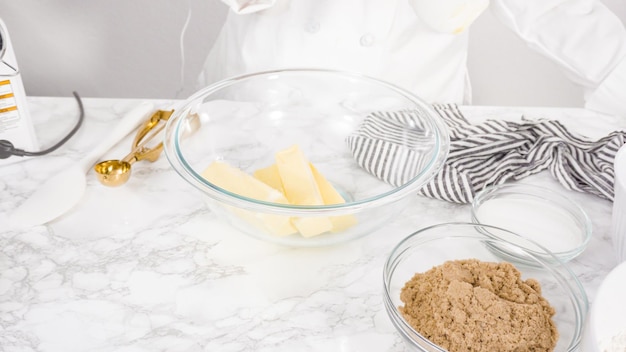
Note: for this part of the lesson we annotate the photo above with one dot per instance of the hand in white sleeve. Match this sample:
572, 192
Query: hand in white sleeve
449, 16
583, 37
243, 7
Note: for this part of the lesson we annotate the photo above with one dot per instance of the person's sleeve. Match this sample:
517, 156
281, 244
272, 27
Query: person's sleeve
243, 7
583, 37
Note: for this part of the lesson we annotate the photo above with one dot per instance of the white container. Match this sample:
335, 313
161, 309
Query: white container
618, 223
15, 122
605, 327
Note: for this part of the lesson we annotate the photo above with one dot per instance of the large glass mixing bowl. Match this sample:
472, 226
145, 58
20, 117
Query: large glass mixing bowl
343, 123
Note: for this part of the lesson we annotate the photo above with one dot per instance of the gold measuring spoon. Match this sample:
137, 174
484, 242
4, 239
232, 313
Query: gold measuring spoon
114, 173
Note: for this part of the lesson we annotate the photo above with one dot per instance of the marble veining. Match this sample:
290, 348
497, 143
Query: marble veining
147, 267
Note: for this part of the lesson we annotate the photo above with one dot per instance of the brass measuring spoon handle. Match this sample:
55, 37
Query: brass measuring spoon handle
130, 158
148, 131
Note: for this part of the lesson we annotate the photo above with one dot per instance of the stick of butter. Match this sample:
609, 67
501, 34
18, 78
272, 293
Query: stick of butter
301, 189
236, 181
270, 176
310, 226
297, 178
331, 196
291, 180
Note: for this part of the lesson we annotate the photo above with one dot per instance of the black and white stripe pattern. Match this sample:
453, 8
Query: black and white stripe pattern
485, 154
389, 144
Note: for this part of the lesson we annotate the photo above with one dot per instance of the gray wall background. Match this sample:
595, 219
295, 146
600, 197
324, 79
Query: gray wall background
132, 49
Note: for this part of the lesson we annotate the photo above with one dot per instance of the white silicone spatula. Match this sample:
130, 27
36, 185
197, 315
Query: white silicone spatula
63, 191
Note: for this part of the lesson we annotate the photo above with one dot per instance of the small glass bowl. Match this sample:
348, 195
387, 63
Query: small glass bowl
539, 214
437, 244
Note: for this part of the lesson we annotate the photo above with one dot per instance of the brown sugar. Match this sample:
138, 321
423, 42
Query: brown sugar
470, 305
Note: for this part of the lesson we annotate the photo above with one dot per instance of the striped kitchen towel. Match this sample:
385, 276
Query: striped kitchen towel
485, 154
391, 145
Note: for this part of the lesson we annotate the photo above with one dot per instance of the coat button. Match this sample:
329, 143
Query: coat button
312, 27
367, 40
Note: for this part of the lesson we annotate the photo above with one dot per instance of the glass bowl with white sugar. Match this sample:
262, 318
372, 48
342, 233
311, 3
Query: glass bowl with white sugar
544, 216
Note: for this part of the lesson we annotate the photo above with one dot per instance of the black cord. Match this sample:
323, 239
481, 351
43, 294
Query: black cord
7, 149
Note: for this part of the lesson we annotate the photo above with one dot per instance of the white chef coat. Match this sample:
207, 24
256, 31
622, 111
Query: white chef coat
420, 45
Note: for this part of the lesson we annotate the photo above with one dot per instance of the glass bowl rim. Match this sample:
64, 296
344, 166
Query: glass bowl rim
174, 126
546, 194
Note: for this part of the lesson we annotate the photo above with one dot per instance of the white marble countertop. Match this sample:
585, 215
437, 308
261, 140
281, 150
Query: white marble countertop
146, 267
